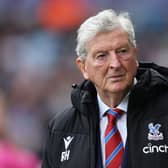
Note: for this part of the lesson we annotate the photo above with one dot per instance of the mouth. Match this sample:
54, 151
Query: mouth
116, 78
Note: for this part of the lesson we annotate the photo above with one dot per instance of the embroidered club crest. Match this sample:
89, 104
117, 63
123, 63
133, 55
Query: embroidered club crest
154, 133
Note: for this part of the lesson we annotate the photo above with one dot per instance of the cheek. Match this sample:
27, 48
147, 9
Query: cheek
95, 73
89, 71
132, 69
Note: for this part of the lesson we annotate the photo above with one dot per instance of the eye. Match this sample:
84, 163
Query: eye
122, 51
101, 55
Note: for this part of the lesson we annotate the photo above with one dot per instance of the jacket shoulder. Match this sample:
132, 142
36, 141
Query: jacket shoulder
59, 120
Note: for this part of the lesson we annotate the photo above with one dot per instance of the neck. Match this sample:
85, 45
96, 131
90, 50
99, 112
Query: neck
112, 99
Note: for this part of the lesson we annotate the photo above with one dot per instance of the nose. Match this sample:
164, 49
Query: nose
114, 61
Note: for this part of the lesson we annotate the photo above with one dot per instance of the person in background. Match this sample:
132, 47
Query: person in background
11, 155
119, 115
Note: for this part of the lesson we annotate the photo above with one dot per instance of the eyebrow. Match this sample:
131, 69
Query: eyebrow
98, 49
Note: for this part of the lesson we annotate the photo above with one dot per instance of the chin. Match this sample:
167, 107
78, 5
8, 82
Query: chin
117, 89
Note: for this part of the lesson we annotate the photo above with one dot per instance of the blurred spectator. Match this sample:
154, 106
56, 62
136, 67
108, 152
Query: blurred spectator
27, 112
36, 51
12, 156
63, 15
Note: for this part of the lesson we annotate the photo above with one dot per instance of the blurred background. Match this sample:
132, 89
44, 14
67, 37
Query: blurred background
37, 54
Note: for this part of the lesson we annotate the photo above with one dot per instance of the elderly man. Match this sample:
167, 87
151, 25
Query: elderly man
116, 106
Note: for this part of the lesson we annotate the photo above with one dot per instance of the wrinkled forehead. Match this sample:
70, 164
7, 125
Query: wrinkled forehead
108, 39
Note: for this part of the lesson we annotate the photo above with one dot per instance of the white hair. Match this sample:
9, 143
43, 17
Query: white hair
105, 20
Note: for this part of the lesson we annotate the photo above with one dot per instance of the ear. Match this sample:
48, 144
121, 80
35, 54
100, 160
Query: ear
82, 67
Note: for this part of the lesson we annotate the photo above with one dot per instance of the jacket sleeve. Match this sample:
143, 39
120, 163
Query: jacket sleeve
47, 155
52, 146
46, 162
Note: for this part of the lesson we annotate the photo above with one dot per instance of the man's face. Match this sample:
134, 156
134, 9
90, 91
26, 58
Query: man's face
111, 62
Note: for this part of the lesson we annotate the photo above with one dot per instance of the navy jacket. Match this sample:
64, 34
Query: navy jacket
73, 138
